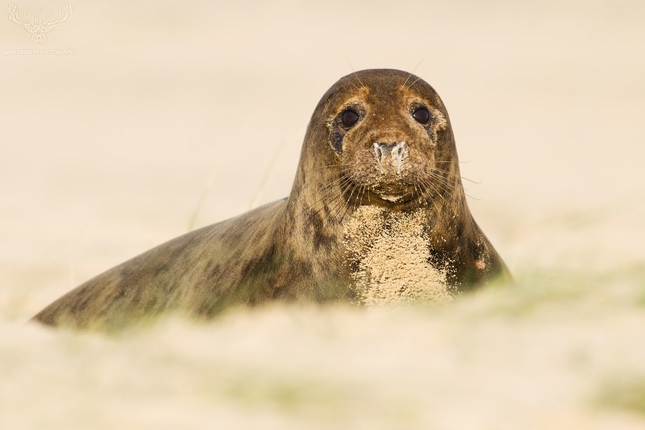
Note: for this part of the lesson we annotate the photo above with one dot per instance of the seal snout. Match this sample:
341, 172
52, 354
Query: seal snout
390, 155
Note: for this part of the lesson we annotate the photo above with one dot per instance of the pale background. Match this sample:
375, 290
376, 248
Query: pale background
174, 114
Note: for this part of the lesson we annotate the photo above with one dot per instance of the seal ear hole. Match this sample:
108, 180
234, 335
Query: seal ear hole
421, 115
349, 117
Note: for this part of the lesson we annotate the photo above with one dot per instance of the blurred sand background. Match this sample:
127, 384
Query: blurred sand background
177, 114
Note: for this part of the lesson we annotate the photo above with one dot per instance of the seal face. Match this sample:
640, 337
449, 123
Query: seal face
376, 215
387, 152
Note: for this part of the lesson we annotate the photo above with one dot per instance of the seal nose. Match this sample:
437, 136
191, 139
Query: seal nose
390, 152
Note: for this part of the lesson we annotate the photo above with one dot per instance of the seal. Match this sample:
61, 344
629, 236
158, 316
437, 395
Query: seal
376, 215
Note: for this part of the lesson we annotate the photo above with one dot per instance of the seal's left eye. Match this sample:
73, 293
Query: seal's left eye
349, 118
421, 115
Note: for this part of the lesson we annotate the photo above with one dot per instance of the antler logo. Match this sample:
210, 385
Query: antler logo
38, 27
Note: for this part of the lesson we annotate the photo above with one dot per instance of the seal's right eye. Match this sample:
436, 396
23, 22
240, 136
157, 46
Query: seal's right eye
349, 118
421, 115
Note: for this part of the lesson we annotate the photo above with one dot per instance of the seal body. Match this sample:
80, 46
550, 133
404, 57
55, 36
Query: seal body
376, 215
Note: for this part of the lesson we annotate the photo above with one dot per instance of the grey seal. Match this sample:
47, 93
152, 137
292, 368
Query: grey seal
377, 215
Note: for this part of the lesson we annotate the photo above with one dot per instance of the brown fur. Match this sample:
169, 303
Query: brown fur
300, 247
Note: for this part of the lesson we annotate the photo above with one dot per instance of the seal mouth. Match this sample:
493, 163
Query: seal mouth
391, 189
380, 194
392, 198
395, 193
385, 194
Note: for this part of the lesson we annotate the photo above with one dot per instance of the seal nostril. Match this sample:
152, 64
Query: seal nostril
385, 148
379, 155
378, 151
390, 154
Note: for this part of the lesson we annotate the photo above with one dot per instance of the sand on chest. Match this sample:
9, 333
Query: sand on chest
390, 257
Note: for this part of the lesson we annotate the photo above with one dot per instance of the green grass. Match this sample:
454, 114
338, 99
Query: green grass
626, 393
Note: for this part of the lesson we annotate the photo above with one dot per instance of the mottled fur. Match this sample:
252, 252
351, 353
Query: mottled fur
298, 248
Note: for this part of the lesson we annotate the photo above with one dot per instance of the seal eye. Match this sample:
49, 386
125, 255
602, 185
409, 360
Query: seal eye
421, 115
349, 118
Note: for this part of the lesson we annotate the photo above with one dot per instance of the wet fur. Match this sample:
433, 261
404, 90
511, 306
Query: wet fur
294, 249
